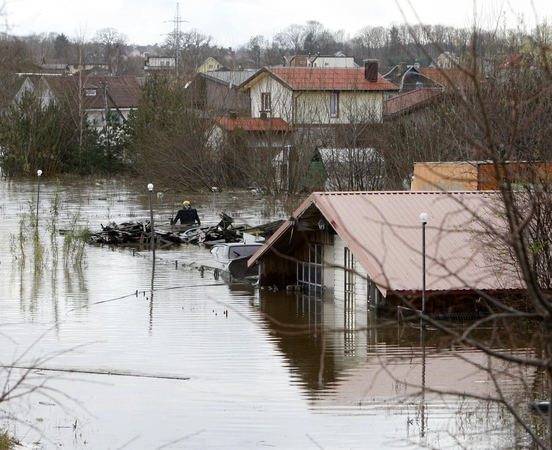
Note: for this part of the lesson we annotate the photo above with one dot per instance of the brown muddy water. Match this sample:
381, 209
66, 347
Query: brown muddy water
131, 355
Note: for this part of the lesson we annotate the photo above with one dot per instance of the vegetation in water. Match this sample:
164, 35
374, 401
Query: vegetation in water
75, 236
6, 443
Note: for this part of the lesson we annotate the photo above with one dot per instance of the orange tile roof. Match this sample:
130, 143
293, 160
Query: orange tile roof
409, 100
323, 79
253, 124
384, 233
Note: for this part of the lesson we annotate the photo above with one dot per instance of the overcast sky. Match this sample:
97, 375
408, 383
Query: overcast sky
233, 22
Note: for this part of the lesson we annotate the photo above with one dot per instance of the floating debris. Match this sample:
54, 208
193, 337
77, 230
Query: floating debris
139, 233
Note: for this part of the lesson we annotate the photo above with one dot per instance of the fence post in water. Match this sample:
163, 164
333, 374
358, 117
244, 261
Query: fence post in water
152, 236
39, 173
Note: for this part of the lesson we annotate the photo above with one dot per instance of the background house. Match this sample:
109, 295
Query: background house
96, 96
318, 96
338, 60
215, 93
210, 65
367, 247
160, 63
409, 78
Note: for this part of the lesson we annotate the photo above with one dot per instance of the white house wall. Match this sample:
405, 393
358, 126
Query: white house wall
280, 99
354, 107
352, 315
328, 275
360, 277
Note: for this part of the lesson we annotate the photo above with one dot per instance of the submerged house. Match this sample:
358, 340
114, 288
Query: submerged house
366, 247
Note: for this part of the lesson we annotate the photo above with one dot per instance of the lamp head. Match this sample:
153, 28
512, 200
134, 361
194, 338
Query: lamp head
423, 218
150, 187
39, 172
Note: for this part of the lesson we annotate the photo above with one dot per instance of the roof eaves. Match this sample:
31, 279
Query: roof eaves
247, 83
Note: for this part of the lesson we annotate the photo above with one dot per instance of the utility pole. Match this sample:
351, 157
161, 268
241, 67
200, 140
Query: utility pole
177, 36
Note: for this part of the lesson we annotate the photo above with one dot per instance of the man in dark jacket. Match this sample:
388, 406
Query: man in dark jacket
187, 215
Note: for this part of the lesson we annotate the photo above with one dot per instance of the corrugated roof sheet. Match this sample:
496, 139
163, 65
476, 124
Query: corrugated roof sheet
229, 77
405, 102
384, 232
324, 79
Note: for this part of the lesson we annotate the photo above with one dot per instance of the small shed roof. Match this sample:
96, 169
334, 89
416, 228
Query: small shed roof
408, 101
384, 232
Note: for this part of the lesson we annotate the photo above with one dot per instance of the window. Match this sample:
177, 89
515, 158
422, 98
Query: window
90, 92
350, 268
309, 273
265, 102
334, 104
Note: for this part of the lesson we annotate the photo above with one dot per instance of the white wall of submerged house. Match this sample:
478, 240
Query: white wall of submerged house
351, 308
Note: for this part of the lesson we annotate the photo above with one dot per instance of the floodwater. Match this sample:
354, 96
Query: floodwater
127, 354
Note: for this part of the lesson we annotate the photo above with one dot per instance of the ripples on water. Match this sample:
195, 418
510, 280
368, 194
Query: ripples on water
200, 363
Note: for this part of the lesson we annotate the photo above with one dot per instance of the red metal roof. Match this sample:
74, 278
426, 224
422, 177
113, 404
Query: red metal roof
384, 232
324, 79
253, 124
405, 102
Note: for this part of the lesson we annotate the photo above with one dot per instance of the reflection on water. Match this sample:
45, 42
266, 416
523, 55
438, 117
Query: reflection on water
148, 353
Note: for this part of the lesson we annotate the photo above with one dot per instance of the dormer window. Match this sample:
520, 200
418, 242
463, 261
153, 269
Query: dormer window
90, 92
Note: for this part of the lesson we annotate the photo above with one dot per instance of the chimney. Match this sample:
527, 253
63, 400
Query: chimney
371, 70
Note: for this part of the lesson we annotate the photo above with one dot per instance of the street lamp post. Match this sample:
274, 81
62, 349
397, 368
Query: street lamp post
39, 173
423, 219
152, 238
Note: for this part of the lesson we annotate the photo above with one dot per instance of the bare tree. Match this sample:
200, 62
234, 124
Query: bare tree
112, 44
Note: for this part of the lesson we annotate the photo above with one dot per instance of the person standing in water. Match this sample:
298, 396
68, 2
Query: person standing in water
187, 215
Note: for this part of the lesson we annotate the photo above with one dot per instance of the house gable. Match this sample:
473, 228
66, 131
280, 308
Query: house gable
210, 65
